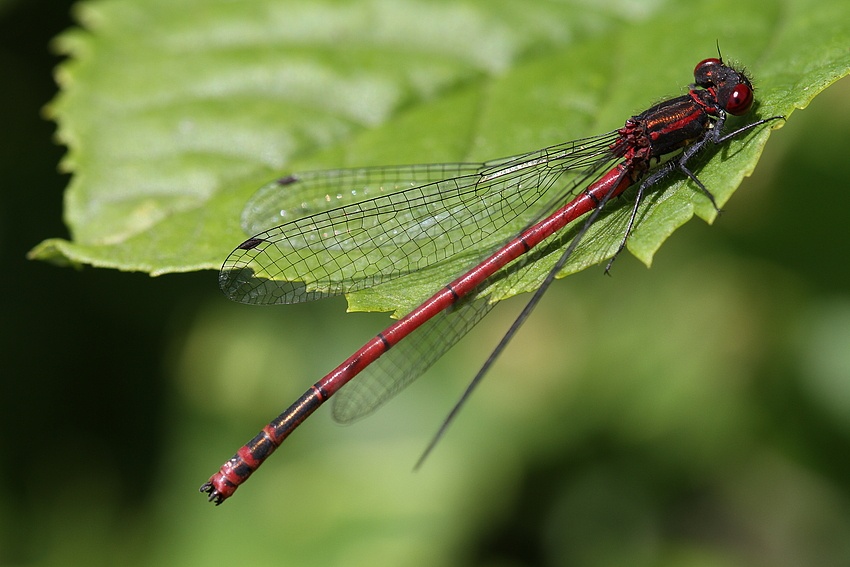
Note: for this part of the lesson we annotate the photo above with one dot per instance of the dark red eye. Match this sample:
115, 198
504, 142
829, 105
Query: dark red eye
740, 100
704, 70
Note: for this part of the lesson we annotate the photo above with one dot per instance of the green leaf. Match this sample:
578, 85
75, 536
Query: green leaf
174, 113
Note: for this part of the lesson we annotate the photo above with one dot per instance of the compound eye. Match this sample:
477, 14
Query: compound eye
740, 100
705, 69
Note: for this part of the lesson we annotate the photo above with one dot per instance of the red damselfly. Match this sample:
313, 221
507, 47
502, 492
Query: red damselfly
482, 220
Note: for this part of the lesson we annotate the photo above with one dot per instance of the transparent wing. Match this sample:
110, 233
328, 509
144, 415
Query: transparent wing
412, 217
406, 361
297, 196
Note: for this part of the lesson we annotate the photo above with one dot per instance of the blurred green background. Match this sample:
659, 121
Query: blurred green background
697, 413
